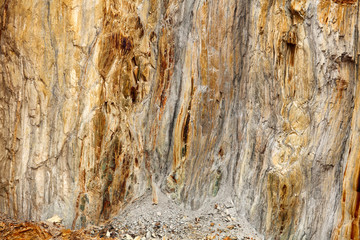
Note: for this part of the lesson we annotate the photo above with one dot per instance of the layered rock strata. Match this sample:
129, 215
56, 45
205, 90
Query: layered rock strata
103, 101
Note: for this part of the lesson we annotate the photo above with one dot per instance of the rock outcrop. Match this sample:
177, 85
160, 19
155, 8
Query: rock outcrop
103, 101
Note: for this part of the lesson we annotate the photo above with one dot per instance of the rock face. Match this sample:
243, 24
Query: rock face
103, 101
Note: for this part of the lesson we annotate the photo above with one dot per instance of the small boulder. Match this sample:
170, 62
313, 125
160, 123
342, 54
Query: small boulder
55, 219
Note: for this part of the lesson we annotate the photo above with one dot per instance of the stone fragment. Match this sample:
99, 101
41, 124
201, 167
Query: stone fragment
54, 219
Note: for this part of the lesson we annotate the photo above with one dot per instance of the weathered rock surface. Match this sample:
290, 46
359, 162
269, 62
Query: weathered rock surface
103, 101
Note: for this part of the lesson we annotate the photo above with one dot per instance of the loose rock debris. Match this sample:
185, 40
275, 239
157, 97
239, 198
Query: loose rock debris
143, 221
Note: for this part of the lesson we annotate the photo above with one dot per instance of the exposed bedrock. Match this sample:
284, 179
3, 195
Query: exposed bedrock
257, 101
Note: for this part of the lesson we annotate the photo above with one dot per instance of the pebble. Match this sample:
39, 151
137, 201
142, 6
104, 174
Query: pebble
128, 237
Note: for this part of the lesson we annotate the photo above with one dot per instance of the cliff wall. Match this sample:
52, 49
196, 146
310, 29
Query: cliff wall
103, 101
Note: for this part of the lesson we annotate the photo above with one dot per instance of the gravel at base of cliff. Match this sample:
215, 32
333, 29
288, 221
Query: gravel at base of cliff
141, 220
167, 220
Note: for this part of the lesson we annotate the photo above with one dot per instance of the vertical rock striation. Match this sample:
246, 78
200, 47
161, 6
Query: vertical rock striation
299, 102
258, 101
